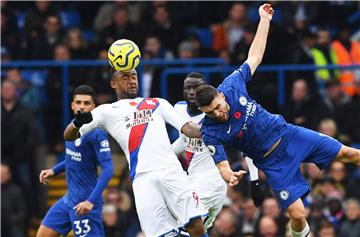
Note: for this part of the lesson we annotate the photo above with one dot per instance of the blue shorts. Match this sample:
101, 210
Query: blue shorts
282, 166
63, 219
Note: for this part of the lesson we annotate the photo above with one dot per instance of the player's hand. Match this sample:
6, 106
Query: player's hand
82, 118
236, 177
45, 175
257, 194
83, 208
266, 11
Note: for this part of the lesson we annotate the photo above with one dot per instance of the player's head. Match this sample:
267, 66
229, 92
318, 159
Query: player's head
83, 99
213, 103
125, 84
191, 83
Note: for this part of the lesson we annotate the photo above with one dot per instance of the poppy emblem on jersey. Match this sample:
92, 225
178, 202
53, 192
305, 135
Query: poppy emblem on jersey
78, 142
243, 101
284, 195
237, 115
104, 143
133, 103
212, 150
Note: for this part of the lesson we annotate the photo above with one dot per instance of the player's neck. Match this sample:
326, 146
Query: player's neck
193, 110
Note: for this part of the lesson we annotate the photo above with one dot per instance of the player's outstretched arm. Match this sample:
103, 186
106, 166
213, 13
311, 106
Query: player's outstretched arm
228, 174
48, 173
257, 48
72, 130
191, 129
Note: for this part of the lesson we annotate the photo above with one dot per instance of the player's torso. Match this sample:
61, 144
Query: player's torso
139, 127
200, 159
250, 128
81, 169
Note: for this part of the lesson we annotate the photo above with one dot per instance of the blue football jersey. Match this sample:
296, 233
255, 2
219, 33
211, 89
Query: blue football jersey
250, 127
82, 157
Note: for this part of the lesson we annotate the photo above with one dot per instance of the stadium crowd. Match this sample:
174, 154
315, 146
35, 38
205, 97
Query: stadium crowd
328, 101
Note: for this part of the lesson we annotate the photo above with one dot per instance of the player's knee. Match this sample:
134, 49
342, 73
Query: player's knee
195, 227
297, 214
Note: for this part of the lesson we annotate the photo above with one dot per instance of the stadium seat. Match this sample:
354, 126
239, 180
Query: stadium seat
205, 36
69, 19
20, 18
89, 35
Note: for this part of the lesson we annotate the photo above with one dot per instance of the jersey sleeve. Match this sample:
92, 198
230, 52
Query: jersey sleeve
101, 146
171, 116
215, 147
95, 123
59, 168
178, 146
240, 75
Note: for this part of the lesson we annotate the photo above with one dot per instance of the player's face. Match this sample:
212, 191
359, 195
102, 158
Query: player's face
190, 86
218, 109
125, 84
83, 103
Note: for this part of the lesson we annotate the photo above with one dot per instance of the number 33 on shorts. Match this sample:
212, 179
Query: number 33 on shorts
82, 227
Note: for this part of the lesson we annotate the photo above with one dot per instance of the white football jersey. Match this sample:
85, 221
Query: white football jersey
198, 158
138, 125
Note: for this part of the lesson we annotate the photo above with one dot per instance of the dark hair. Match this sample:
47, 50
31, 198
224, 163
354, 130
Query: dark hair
204, 95
84, 90
195, 75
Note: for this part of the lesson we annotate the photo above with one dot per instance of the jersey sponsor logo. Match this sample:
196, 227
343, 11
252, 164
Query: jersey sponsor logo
284, 194
243, 101
212, 150
78, 142
140, 117
76, 156
250, 112
104, 143
193, 144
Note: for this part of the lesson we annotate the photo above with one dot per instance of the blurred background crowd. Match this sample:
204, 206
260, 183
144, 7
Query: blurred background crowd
316, 33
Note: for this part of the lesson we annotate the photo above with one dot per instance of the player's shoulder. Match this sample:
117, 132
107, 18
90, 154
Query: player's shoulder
180, 105
96, 134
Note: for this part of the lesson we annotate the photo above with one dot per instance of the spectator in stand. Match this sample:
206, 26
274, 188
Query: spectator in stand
76, 44
249, 216
329, 127
225, 224
169, 32
199, 50
301, 54
326, 229
350, 227
272, 209
98, 78
325, 188
268, 227
13, 208
302, 110
347, 53
324, 55
229, 33
240, 52
334, 211
111, 223
10, 37
42, 46
315, 215
151, 76
19, 143
36, 17
120, 28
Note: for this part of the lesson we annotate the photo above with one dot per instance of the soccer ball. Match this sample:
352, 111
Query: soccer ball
124, 55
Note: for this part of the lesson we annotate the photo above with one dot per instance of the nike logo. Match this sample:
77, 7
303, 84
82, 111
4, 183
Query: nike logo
228, 131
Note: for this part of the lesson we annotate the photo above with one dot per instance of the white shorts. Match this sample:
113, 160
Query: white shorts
165, 201
212, 190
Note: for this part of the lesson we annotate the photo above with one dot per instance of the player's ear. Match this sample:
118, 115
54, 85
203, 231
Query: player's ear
113, 84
